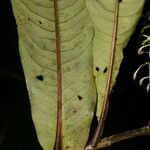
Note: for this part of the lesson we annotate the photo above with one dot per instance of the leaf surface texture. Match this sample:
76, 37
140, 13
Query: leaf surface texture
85, 41
102, 16
36, 26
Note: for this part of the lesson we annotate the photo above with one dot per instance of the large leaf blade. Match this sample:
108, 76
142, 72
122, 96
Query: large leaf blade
102, 14
36, 26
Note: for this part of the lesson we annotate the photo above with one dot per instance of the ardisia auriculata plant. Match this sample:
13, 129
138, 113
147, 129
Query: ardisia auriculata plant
71, 51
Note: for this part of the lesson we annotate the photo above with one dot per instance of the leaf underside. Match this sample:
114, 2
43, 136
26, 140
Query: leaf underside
36, 26
85, 31
102, 16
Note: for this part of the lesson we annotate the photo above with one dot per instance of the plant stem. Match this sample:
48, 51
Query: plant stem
108, 141
101, 123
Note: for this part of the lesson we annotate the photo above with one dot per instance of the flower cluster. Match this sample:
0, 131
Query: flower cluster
144, 49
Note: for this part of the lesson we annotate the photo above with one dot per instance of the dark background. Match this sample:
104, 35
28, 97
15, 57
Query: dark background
129, 103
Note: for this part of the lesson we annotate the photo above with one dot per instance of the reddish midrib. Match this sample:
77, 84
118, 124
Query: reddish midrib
59, 80
99, 130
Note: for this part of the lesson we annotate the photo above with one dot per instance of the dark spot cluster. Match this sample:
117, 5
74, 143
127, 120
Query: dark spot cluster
104, 71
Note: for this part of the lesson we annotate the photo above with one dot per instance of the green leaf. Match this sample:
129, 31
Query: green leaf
60, 43
102, 16
36, 29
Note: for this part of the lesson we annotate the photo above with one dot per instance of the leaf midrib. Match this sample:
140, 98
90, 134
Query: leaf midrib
59, 79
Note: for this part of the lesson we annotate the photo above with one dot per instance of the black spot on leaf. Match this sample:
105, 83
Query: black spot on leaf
40, 22
68, 147
105, 70
40, 77
74, 111
97, 68
120, 1
79, 97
